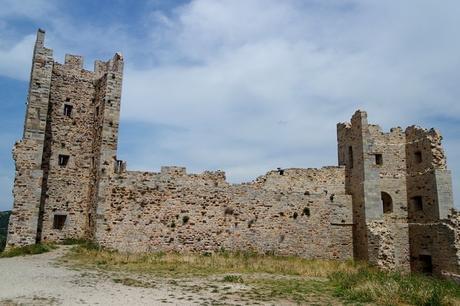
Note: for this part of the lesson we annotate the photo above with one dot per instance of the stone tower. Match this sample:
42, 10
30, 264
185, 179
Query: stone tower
69, 141
400, 188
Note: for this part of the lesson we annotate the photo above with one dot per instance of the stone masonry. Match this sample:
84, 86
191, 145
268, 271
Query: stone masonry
389, 201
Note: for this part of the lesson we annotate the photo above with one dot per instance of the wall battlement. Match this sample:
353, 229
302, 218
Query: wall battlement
389, 200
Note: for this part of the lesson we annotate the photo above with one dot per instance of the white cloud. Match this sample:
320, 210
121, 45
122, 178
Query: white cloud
16, 61
241, 67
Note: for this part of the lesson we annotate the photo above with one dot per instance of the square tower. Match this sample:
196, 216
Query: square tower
400, 185
70, 138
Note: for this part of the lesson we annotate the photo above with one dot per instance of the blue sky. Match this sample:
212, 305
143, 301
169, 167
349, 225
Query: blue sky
245, 86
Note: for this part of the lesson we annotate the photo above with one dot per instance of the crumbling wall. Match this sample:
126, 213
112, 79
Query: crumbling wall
389, 239
439, 243
172, 210
428, 177
22, 229
448, 245
429, 195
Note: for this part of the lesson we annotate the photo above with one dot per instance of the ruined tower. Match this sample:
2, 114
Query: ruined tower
70, 138
401, 191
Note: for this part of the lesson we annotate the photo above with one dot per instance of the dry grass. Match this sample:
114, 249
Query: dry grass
273, 277
202, 265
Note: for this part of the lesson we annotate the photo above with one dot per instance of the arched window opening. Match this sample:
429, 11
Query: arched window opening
387, 203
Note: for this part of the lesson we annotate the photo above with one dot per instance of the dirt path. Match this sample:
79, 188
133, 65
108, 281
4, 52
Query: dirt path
38, 280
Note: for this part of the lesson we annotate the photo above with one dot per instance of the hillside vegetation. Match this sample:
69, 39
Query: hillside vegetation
4, 217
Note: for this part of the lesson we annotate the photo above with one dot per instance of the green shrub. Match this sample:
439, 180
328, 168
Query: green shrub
28, 250
4, 218
233, 279
73, 241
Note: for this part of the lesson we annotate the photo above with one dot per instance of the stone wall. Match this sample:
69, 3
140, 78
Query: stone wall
302, 212
437, 244
107, 137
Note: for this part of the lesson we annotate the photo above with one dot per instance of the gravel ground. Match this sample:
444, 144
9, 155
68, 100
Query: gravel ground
40, 280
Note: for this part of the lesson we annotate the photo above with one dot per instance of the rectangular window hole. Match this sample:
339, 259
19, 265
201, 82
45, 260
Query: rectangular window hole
418, 157
59, 221
426, 264
378, 159
63, 160
417, 203
68, 110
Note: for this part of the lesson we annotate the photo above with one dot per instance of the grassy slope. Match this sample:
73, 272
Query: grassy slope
4, 217
290, 278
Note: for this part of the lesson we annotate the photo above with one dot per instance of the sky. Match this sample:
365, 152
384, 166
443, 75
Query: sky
245, 86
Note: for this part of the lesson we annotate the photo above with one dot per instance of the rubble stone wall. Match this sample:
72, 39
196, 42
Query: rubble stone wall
302, 212
439, 241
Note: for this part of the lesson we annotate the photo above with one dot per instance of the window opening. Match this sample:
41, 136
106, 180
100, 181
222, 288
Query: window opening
59, 221
68, 110
426, 264
63, 160
418, 157
378, 159
417, 203
387, 203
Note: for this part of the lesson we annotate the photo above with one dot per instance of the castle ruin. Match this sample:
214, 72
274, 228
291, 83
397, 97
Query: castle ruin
389, 200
